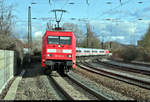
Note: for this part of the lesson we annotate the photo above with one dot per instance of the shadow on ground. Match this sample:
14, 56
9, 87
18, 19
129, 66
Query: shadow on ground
33, 70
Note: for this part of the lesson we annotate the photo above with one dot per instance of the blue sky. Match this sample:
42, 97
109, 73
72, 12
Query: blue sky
123, 25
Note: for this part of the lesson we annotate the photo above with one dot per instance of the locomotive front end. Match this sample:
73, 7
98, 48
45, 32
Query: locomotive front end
60, 51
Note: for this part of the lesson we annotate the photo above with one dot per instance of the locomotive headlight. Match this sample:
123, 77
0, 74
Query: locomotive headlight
59, 45
69, 56
43, 60
49, 55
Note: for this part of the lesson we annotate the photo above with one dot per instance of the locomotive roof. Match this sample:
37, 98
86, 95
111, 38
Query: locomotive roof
59, 30
54, 32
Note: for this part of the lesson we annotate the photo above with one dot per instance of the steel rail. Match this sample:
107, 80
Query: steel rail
90, 90
129, 80
146, 72
136, 63
68, 97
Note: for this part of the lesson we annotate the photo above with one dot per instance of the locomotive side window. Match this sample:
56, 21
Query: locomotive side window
65, 40
53, 39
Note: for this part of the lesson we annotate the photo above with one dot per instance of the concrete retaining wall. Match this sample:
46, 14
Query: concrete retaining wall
6, 67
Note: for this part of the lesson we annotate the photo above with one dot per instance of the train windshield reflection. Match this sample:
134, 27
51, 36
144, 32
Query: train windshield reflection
59, 40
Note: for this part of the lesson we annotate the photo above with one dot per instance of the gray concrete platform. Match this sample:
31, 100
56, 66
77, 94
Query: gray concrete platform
13, 88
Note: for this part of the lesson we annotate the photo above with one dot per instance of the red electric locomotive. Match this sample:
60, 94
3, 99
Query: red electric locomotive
58, 51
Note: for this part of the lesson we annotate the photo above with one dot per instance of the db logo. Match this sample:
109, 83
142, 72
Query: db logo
58, 51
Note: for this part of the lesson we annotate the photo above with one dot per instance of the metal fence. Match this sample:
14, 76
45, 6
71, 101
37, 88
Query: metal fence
6, 67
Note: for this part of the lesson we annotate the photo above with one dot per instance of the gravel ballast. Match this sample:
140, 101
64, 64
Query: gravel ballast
123, 88
98, 87
120, 71
35, 86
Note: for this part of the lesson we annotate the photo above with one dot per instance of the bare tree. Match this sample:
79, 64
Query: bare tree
91, 40
75, 29
6, 26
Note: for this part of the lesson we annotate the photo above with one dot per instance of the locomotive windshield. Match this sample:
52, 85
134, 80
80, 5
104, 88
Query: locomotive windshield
59, 40
53, 39
65, 40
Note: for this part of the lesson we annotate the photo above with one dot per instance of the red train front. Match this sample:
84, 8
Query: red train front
58, 51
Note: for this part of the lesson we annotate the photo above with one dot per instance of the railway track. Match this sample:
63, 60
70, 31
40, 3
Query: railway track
90, 90
66, 96
121, 77
131, 69
133, 62
71, 93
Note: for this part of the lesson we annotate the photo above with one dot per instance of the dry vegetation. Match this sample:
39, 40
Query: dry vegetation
8, 40
129, 53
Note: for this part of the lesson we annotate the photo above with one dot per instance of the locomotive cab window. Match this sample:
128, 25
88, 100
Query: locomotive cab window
59, 40
53, 39
65, 40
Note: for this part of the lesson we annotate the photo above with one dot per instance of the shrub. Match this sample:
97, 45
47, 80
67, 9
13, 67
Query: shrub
116, 54
146, 57
129, 53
